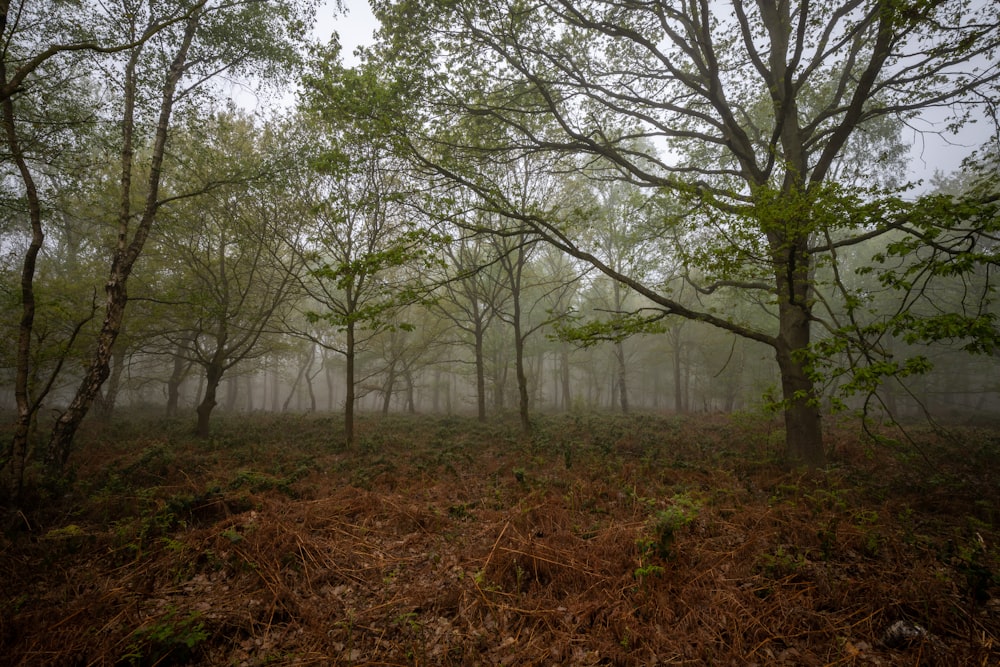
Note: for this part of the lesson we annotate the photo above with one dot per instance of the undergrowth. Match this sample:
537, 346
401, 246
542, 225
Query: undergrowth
598, 539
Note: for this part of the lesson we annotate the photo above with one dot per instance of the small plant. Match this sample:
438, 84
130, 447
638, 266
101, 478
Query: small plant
171, 640
780, 564
648, 550
667, 523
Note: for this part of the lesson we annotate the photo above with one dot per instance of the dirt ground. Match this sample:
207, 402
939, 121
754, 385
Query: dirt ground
598, 540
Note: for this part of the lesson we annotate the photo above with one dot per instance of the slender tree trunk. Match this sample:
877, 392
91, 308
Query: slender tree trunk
126, 253
331, 397
310, 376
622, 387
679, 391
522, 377
294, 388
349, 378
567, 399
479, 334
387, 388
411, 404
26, 408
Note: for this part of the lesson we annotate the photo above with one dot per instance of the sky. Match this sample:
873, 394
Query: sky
355, 27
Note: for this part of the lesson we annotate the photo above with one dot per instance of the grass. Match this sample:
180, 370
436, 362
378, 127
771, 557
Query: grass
602, 539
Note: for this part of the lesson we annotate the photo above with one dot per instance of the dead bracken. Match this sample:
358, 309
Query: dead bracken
661, 540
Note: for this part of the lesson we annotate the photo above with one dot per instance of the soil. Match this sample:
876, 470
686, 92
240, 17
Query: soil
597, 540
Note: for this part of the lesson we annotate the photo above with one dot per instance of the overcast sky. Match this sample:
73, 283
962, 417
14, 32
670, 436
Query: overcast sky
355, 27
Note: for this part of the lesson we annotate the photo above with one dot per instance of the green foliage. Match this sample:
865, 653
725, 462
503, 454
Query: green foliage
616, 329
173, 639
663, 529
781, 563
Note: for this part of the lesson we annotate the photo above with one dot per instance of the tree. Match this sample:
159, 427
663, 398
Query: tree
472, 294
201, 41
363, 245
753, 106
40, 89
231, 274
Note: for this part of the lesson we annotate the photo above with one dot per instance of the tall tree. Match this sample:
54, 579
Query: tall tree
363, 245
203, 41
41, 96
754, 104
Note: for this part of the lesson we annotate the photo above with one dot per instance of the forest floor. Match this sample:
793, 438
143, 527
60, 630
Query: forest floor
600, 540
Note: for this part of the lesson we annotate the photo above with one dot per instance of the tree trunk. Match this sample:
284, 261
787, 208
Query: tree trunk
310, 376
479, 333
522, 377
567, 399
180, 370
107, 399
26, 408
213, 376
331, 397
411, 403
61, 439
803, 422
293, 389
679, 391
349, 397
387, 387
622, 387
